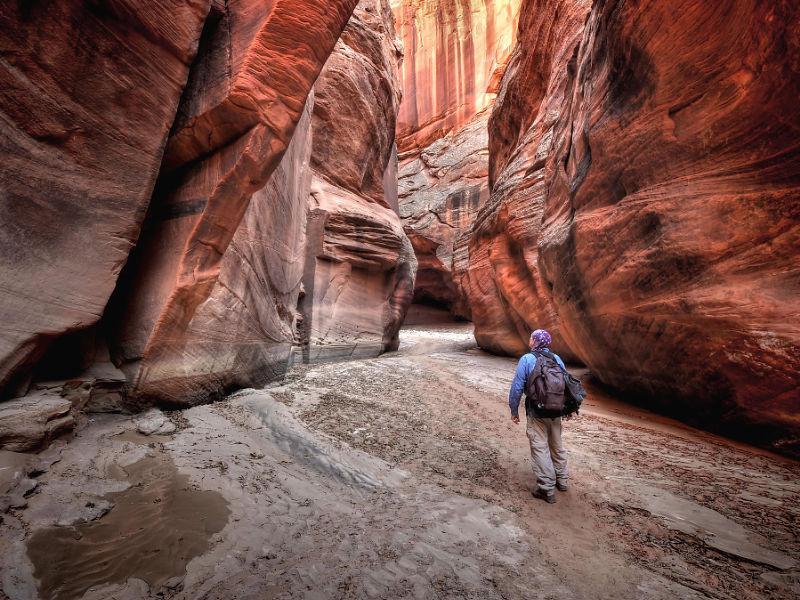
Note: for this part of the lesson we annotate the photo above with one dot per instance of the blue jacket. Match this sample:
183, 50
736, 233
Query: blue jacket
524, 368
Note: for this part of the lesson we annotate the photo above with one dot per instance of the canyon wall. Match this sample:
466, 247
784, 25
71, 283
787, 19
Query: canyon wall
176, 121
455, 54
360, 266
441, 189
81, 150
644, 203
206, 307
506, 292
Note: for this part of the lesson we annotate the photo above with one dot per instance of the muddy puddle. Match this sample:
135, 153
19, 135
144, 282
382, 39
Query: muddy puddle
154, 529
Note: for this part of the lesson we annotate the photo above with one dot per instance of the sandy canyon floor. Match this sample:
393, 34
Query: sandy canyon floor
399, 477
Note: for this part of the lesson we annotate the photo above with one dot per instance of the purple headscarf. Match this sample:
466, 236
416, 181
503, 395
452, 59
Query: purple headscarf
542, 338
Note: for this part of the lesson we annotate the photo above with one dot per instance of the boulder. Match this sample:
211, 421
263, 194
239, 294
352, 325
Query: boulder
16, 478
154, 422
31, 422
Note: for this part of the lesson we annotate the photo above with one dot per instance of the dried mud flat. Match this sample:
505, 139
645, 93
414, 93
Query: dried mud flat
400, 477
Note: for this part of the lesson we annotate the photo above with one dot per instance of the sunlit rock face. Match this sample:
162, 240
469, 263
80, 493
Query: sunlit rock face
649, 199
506, 292
88, 98
455, 54
359, 271
207, 301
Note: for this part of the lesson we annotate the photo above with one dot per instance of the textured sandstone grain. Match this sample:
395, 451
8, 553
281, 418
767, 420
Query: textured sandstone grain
355, 111
242, 333
672, 225
645, 200
88, 97
455, 53
209, 301
360, 266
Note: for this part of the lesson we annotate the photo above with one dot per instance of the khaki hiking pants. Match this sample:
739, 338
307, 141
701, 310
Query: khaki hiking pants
548, 453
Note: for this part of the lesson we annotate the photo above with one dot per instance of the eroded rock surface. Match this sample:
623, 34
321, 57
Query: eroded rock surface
30, 422
440, 191
456, 52
644, 203
506, 293
210, 296
88, 99
359, 276
360, 267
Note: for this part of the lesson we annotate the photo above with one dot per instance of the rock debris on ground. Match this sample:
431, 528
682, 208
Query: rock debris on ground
398, 477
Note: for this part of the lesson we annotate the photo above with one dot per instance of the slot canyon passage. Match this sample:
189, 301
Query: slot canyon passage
268, 267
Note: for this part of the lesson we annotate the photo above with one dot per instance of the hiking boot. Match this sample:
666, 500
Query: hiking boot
549, 497
562, 486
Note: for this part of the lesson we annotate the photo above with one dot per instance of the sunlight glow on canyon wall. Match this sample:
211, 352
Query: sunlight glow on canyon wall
455, 55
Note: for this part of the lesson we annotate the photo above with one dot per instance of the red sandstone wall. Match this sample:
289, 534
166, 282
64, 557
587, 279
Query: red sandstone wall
360, 267
239, 112
645, 203
90, 102
455, 51
87, 101
506, 292
455, 55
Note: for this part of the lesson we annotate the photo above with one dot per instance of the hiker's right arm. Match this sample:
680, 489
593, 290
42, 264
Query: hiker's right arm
518, 386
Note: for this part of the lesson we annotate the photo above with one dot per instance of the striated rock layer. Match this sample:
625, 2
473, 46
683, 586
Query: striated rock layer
456, 52
360, 267
30, 422
208, 299
647, 200
506, 292
87, 100
440, 192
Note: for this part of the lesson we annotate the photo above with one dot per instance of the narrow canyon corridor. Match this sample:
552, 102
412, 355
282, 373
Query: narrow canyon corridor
268, 269
401, 477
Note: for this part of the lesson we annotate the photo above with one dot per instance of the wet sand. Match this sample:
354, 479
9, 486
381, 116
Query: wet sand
151, 531
403, 477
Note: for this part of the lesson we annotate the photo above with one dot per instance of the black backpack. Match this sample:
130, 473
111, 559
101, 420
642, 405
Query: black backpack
550, 390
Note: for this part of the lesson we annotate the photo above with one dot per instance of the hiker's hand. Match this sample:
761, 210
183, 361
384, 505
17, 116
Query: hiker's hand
515, 419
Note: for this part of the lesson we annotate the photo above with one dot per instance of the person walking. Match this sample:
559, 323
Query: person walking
538, 375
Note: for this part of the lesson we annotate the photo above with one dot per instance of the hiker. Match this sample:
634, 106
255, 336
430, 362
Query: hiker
538, 374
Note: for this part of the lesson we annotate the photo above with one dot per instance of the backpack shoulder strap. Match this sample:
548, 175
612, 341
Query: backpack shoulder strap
552, 357
536, 371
